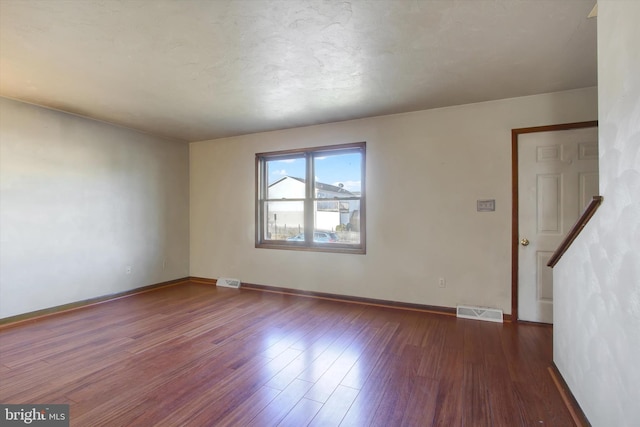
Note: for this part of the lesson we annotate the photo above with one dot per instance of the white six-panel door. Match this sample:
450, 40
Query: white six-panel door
557, 177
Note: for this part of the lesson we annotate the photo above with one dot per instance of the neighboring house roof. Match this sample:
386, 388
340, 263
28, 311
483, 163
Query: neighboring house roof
319, 186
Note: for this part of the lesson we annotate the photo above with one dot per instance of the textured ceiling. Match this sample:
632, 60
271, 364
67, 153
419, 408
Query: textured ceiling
194, 70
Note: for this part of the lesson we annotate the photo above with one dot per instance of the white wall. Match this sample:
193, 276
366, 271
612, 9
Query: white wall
79, 201
425, 171
597, 282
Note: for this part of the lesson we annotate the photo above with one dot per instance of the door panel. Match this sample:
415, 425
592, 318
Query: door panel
588, 187
557, 177
548, 204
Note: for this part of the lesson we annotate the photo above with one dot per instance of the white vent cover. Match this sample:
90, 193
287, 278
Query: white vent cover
479, 313
225, 282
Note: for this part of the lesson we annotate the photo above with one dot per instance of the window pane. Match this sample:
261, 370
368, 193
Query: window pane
284, 221
285, 178
338, 175
341, 218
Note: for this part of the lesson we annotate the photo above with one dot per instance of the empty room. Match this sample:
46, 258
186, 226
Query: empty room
324, 213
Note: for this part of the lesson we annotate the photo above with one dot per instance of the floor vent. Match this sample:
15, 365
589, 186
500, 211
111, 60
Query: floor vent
225, 282
479, 313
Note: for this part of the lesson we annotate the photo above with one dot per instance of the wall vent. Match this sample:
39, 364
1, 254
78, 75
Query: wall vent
479, 313
225, 282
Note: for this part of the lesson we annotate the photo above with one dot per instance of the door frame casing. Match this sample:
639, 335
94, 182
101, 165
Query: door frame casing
515, 234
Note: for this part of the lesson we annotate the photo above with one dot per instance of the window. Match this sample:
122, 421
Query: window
312, 199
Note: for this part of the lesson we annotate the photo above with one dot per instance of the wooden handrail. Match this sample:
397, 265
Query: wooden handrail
575, 230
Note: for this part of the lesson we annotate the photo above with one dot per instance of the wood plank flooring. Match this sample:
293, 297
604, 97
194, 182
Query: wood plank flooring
197, 355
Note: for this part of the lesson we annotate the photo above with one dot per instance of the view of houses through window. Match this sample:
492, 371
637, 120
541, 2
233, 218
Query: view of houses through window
322, 188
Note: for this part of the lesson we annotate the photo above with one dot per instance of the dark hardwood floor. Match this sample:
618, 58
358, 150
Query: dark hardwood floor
197, 355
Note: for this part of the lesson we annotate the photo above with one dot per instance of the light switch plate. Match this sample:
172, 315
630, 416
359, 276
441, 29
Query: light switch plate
487, 205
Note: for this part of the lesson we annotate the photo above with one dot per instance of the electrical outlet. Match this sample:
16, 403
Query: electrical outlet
127, 269
442, 282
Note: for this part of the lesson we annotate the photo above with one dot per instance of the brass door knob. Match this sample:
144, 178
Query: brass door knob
524, 242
